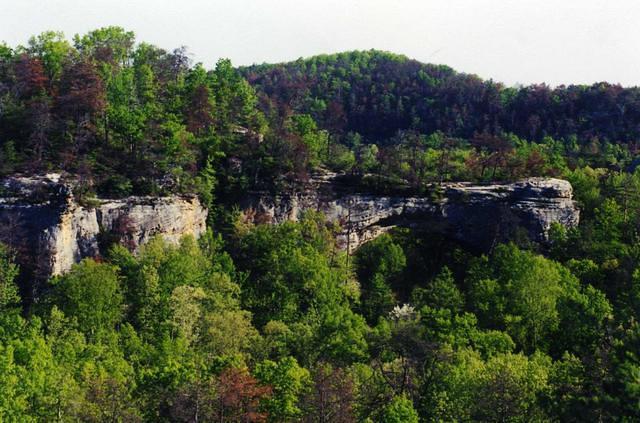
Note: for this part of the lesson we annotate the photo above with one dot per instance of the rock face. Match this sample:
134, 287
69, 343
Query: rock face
475, 215
40, 217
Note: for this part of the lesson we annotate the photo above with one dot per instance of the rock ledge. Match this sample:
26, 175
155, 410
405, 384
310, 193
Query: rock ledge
476, 215
40, 217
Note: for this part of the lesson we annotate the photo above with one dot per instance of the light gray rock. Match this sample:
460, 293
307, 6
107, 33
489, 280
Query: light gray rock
40, 217
51, 230
476, 215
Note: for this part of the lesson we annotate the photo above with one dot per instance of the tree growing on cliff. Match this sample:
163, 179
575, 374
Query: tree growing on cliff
9, 296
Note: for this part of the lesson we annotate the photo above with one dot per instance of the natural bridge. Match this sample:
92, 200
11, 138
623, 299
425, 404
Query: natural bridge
475, 215
40, 217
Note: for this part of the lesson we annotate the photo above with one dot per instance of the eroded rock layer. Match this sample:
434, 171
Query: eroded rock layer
40, 217
476, 215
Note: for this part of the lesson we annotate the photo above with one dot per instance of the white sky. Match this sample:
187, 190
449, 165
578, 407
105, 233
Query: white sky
514, 41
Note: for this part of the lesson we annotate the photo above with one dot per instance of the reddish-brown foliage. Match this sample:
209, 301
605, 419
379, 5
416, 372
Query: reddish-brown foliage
82, 93
200, 111
30, 76
238, 395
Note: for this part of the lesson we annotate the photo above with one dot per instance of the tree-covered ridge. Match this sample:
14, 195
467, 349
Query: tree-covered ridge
135, 119
376, 94
126, 117
416, 123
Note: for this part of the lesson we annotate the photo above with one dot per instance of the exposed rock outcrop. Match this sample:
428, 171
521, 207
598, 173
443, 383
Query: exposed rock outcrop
41, 218
476, 215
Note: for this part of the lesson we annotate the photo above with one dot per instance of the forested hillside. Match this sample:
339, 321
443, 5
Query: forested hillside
256, 322
376, 94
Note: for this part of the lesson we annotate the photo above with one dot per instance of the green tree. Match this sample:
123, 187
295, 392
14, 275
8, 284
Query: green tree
518, 291
441, 292
289, 382
568, 395
91, 293
400, 410
186, 307
506, 387
379, 264
112, 46
52, 49
229, 333
9, 296
314, 139
13, 403
510, 387
290, 271
626, 401
585, 315
340, 337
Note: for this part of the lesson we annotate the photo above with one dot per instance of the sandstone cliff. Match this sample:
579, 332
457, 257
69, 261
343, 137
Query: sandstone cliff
40, 217
476, 215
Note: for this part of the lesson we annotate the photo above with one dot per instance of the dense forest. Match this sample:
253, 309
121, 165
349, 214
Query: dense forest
376, 94
254, 322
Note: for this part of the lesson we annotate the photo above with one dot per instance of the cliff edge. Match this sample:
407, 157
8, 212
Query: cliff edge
42, 220
476, 215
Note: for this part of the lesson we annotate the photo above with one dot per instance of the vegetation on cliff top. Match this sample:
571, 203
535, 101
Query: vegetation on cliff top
133, 118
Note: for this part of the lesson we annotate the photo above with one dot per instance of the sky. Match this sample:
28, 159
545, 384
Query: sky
512, 41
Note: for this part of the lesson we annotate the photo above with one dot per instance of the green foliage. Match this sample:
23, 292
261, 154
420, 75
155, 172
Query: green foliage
289, 275
340, 337
111, 45
441, 292
9, 296
400, 410
229, 333
628, 372
315, 141
518, 291
567, 381
378, 265
503, 388
288, 381
585, 314
52, 49
91, 294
